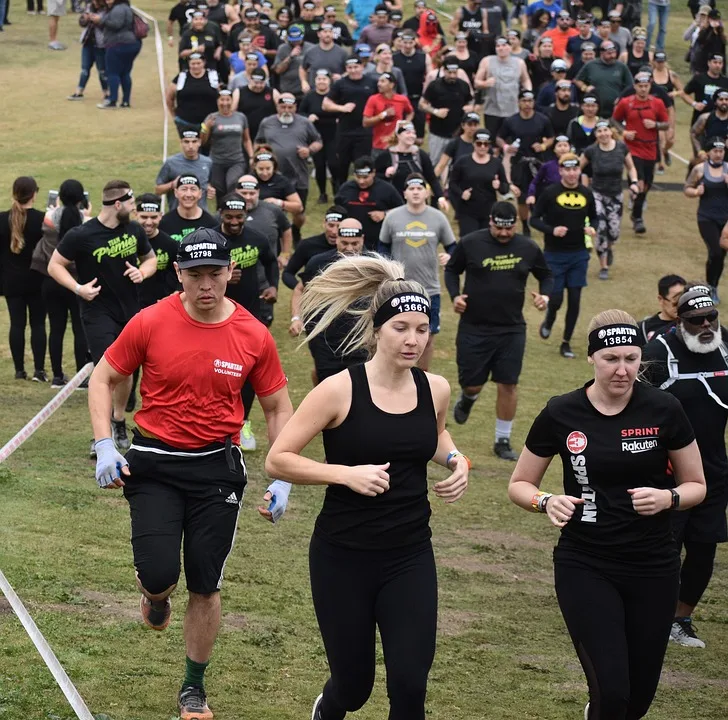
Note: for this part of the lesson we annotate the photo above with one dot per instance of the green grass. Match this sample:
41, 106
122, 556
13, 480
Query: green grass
503, 651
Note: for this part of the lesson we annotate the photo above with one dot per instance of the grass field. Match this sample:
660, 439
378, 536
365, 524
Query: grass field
503, 650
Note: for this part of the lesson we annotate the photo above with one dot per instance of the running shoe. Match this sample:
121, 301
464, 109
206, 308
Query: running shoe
323, 199
75, 96
315, 713
247, 439
566, 351
92, 450
55, 45
106, 105
660, 170
461, 410
192, 703
39, 376
604, 274
59, 382
683, 633
504, 451
157, 619
125, 104
638, 225
21, 375
118, 433
83, 385
544, 331
586, 712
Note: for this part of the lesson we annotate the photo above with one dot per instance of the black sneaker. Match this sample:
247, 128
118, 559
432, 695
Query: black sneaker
323, 199
21, 375
638, 225
566, 351
39, 376
125, 105
118, 433
544, 331
504, 451
316, 712
131, 403
461, 410
83, 385
59, 381
156, 618
192, 704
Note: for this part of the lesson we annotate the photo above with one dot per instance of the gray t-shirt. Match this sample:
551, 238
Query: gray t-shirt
285, 139
607, 168
270, 221
333, 60
179, 165
226, 137
401, 85
622, 38
289, 80
413, 239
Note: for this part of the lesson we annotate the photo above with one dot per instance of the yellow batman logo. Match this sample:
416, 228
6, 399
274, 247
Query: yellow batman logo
571, 200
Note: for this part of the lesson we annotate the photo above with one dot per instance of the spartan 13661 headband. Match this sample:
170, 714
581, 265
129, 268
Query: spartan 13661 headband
612, 336
401, 303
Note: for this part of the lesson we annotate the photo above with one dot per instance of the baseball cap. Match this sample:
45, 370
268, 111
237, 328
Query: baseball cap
714, 14
295, 33
204, 246
558, 66
363, 50
660, 56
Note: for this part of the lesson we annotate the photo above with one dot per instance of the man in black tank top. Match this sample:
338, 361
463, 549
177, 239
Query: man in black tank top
472, 19
414, 65
711, 124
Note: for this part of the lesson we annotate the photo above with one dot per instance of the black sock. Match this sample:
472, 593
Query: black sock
526, 227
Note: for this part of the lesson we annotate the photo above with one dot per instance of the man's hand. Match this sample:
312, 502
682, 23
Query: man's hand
489, 82
277, 495
443, 257
390, 171
211, 192
269, 295
377, 216
540, 302
110, 465
590, 231
312, 118
133, 273
283, 260
305, 87
442, 113
460, 304
699, 106
560, 230
649, 124
89, 291
531, 200
348, 107
303, 152
296, 328
236, 275
443, 204
630, 135
296, 51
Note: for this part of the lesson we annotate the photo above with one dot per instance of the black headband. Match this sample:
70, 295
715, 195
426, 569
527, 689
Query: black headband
610, 336
128, 196
351, 232
363, 171
152, 207
263, 156
415, 181
188, 180
248, 184
333, 217
695, 299
400, 303
233, 204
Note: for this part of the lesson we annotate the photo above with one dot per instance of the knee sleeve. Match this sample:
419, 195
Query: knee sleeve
157, 577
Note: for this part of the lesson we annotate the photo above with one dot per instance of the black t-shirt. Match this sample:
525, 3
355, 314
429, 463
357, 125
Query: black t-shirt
452, 95
178, 228
102, 253
346, 90
359, 203
558, 205
457, 148
560, 119
164, 282
210, 37
181, 13
528, 130
196, 99
246, 251
706, 416
414, 70
308, 248
256, 106
701, 86
466, 173
603, 456
278, 186
653, 326
311, 105
495, 278
17, 277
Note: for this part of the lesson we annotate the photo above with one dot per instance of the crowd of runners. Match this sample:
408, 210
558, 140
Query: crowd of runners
430, 151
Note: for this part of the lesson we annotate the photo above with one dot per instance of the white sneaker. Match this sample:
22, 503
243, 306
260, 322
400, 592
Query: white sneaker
586, 712
316, 706
247, 439
683, 633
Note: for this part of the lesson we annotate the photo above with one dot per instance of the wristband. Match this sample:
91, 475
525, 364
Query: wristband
294, 318
675, 504
77, 288
694, 103
456, 453
539, 500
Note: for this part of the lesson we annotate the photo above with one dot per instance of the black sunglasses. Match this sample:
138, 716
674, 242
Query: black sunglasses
482, 143
700, 319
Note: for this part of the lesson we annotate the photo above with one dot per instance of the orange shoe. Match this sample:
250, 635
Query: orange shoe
193, 704
156, 619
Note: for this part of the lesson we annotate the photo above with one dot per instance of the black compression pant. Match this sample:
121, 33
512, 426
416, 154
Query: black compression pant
573, 305
20, 308
468, 224
620, 626
326, 158
696, 570
61, 302
710, 232
348, 149
354, 591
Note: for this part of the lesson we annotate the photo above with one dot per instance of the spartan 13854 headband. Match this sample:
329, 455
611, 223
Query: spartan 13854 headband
610, 336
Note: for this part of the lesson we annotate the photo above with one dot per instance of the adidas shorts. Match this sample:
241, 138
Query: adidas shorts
187, 501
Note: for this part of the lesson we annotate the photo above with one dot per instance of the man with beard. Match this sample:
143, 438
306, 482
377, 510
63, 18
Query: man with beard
703, 85
691, 362
711, 124
607, 78
562, 111
112, 256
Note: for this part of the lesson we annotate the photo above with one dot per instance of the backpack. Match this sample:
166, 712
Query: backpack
140, 27
407, 161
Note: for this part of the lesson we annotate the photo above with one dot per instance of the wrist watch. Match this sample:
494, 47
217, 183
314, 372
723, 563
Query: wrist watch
675, 504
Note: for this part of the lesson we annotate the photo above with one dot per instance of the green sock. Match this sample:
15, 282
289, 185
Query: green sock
195, 673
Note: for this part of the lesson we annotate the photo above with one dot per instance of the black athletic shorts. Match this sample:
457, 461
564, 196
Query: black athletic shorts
183, 498
101, 331
521, 176
493, 125
704, 523
645, 170
483, 353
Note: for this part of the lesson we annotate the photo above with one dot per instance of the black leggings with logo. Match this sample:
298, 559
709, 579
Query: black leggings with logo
620, 626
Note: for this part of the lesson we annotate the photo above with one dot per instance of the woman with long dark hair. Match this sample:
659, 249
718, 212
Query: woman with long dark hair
616, 565
370, 559
93, 51
710, 42
20, 232
72, 210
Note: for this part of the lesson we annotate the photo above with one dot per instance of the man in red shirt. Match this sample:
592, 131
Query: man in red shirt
561, 34
643, 116
184, 474
383, 110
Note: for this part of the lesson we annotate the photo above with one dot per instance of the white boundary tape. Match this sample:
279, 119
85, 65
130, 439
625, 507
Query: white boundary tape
20, 437
64, 682
679, 157
159, 49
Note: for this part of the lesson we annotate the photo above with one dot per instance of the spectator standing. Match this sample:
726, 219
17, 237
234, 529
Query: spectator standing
657, 13
93, 51
56, 10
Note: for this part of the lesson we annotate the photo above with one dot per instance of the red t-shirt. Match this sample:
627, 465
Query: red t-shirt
560, 39
193, 372
632, 111
376, 105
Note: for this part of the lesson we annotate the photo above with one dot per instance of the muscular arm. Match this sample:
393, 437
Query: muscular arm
697, 131
691, 184
100, 397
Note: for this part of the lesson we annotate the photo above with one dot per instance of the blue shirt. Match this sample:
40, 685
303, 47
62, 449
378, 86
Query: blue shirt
361, 10
553, 9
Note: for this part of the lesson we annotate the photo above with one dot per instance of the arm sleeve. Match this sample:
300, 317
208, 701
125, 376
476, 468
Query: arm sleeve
538, 216
454, 183
541, 271
128, 351
295, 263
454, 268
540, 440
267, 375
428, 171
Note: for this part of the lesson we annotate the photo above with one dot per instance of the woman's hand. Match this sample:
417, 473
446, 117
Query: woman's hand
390, 171
369, 480
560, 508
650, 501
452, 488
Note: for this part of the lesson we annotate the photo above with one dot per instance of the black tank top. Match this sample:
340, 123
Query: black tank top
368, 435
414, 69
668, 87
635, 63
713, 203
715, 127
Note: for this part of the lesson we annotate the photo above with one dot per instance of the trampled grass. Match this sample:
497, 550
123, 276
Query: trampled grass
503, 651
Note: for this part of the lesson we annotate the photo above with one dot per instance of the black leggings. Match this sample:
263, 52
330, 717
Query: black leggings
354, 591
620, 626
710, 232
348, 149
60, 302
20, 308
326, 158
468, 224
573, 304
696, 570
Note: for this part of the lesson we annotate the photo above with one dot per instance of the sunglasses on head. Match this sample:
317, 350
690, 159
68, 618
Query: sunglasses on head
700, 319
